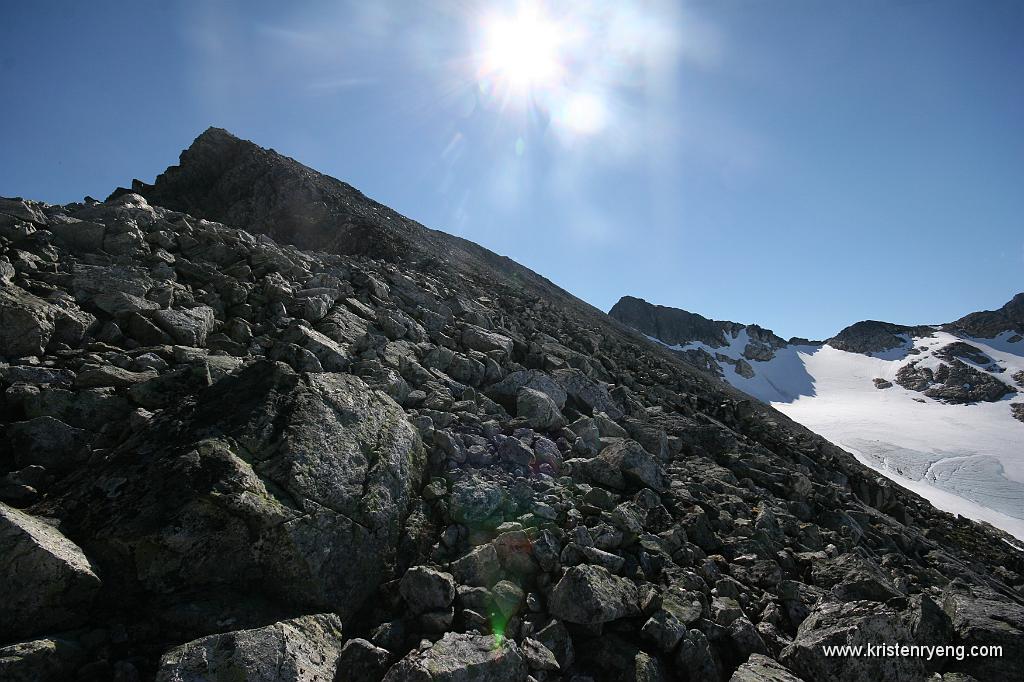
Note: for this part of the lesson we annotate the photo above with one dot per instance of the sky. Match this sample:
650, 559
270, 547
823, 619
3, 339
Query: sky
801, 164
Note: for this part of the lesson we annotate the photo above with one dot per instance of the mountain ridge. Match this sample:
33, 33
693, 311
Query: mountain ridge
262, 460
890, 393
867, 335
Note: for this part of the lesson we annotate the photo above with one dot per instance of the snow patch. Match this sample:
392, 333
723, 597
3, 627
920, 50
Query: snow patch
965, 459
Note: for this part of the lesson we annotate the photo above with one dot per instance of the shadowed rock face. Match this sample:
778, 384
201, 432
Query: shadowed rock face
271, 443
870, 336
286, 487
671, 325
304, 649
223, 178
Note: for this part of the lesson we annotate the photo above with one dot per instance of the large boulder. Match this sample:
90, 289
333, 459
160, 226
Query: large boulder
303, 649
48, 442
981, 617
590, 594
585, 394
275, 486
852, 578
625, 464
539, 410
47, 580
48, 659
426, 589
475, 338
26, 323
760, 668
857, 623
80, 236
188, 327
460, 657
507, 390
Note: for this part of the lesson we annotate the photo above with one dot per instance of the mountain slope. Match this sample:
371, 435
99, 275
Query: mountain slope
226, 457
233, 181
934, 408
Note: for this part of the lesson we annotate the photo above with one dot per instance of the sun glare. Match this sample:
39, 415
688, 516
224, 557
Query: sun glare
568, 70
523, 50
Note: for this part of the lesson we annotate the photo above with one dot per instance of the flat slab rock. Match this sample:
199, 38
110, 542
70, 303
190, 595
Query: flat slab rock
462, 658
304, 649
760, 668
48, 581
854, 623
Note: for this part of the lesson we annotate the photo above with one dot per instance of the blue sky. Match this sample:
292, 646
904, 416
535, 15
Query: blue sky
800, 164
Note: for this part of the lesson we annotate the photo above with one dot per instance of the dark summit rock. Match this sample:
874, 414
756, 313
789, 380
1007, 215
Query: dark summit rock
670, 325
221, 177
990, 323
871, 336
673, 327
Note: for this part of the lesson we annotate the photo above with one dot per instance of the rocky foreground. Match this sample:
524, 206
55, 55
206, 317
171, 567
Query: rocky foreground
405, 458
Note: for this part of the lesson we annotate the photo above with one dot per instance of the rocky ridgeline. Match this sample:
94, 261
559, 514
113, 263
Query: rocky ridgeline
951, 380
675, 327
227, 458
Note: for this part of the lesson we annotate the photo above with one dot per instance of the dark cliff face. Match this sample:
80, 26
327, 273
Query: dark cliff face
405, 455
226, 179
870, 336
671, 325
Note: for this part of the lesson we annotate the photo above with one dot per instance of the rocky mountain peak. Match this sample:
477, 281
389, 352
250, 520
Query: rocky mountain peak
671, 325
991, 323
870, 336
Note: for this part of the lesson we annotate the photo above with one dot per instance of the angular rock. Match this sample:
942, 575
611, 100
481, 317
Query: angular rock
584, 392
850, 623
48, 442
462, 658
509, 387
623, 464
168, 389
48, 583
49, 659
760, 668
427, 589
80, 409
26, 323
332, 357
590, 595
304, 649
78, 235
851, 578
485, 341
538, 409
981, 617
188, 327
98, 376
538, 656
475, 503
362, 660
480, 568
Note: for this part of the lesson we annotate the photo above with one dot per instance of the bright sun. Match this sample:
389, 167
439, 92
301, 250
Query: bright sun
523, 50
